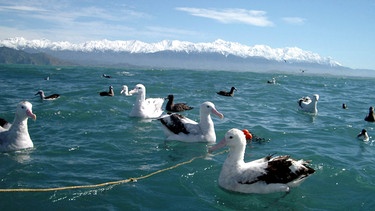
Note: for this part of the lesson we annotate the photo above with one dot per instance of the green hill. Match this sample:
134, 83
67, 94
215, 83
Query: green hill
12, 56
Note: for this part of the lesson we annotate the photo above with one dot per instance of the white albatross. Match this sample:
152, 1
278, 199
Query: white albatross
17, 136
145, 107
180, 128
309, 105
265, 175
125, 91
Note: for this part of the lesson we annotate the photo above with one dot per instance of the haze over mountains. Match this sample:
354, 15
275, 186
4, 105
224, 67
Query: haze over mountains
217, 55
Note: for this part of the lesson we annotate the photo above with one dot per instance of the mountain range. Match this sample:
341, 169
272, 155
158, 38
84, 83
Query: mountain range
174, 54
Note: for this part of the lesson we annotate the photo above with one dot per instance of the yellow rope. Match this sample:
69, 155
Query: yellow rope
103, 184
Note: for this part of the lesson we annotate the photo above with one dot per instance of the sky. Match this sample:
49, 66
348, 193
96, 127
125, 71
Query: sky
343, 30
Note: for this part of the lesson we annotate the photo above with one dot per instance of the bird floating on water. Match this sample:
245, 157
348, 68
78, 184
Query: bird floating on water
229, 94
16, 136
176, 107
106, 76
145, 107
180, 128
370, 117
109, 93
50, 97
272, 81
265, 175
125, 90
363, 135
309, 105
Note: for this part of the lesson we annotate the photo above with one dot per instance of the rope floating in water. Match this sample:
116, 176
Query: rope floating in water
118, 182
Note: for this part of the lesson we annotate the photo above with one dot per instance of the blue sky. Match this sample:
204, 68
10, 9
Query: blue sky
341, 29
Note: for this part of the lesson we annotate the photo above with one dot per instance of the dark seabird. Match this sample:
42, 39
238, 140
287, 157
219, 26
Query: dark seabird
344, 106
370, 117
50, 97
272, 81
4, 125
109, 93
230, 93
107, 76
363, 135
176, 107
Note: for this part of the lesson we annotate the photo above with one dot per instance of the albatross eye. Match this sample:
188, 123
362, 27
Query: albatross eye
230, 137
23, 107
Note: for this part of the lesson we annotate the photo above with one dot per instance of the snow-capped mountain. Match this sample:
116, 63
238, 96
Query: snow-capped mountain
225, 48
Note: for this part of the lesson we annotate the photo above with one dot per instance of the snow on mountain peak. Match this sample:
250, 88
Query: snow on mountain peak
223, 47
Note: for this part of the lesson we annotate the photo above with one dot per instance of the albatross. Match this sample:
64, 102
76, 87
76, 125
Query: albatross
265, 175
49, 97
17, 137
180, 128
145, 107
308, 104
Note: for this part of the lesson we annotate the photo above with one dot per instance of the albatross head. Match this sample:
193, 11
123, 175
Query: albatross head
24, 110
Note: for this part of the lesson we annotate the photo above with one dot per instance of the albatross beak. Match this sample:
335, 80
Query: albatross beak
30, 114
218, 146
220, 115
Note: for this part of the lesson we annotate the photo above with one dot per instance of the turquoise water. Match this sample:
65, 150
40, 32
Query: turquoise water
84, 139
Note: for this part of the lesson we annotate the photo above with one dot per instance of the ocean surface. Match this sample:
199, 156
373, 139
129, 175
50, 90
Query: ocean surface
83, 140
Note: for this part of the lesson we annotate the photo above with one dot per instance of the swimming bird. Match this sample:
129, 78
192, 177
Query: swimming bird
172, 107
272, 81
106, 76
125, 90
4, 125
17, 136
265, 175
309, 105
109, 93
50, 97
363, 135
225, 93
370, 117
180, 128
344, 106
145, 107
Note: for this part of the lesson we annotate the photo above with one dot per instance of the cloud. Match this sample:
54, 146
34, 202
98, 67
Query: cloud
294, 20
250, 17
21, 8
63, 20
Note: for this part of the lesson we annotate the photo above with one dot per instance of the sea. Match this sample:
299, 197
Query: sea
90, 155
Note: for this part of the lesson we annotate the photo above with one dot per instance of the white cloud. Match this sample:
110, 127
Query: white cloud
251, 17
294, 20
21, 8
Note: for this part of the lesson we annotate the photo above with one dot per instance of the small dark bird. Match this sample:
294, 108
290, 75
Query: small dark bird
4, 124
176, 107
344, 106
50, 97
107, 76
363, 135
272, 81
109, 93
230, 93
370, 117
